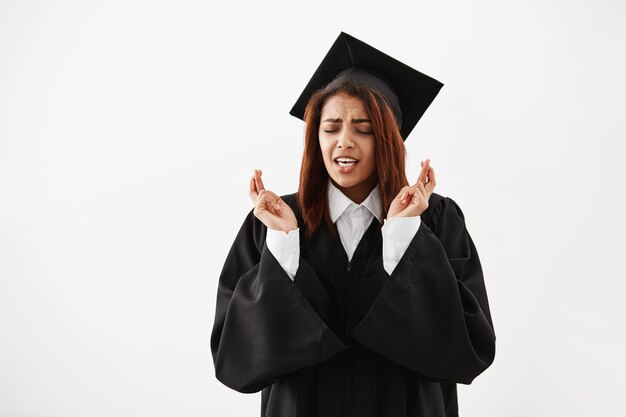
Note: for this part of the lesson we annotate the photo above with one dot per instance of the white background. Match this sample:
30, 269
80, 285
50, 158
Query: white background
129, 130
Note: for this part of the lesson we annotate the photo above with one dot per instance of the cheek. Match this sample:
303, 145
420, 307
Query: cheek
325, 150
371, 156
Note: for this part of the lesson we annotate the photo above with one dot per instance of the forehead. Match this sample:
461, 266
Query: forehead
343, 103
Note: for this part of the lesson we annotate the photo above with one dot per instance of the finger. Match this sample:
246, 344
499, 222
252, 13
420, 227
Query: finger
432, 181
279, 204
402, 193
279, 201
421, 188
420, 193
274, 201
268, 203
252, 192
428, 167
259, 181
423, 172
272, 198
271, 207
271, 195
261, 196
410, 192
259, 203
406, 194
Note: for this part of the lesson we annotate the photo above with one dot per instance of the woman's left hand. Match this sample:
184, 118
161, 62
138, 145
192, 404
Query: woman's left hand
413, 201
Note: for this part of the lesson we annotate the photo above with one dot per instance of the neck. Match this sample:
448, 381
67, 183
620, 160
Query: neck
359, 192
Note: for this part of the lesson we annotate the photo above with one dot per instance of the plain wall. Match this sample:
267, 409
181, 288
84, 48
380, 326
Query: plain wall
129, 131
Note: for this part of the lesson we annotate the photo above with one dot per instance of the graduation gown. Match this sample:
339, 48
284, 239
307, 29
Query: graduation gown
346, 339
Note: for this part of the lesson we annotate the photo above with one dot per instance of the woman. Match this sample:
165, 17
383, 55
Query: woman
353, 317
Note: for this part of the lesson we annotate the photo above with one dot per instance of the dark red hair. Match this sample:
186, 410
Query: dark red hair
389, 152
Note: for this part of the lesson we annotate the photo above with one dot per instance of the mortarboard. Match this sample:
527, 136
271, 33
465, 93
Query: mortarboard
408, 91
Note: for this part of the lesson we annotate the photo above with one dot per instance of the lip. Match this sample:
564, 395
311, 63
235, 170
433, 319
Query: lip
345, 156
345, 170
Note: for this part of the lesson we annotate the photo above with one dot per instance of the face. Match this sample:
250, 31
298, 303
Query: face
347, 145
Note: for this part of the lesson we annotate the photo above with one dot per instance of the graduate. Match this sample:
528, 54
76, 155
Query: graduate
361, 294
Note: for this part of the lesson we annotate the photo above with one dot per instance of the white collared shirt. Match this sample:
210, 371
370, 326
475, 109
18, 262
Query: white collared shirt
352, 221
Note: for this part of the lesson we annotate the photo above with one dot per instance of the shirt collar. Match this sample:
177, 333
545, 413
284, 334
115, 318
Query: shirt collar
338, 202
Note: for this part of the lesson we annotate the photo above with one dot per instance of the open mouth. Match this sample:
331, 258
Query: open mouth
345, 162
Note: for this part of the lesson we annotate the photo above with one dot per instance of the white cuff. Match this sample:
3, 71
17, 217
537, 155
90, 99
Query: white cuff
398, 232
286, 249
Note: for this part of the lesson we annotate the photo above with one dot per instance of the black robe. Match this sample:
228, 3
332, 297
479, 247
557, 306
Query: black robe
346, 338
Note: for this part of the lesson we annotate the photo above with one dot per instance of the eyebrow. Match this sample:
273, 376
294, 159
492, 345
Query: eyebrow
339, 120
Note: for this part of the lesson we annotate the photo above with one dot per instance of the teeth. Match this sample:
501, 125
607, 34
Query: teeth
346, 160
345, 164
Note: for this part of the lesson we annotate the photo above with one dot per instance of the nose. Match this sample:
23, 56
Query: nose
344, 140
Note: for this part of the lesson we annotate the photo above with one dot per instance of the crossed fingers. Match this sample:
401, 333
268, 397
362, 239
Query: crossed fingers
413, 192
424, 185
262, 197
256, 185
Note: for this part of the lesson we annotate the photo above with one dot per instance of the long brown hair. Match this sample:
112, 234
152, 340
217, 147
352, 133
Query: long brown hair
389, 152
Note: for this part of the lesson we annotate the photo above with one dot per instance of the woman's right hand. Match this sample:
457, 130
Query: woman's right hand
270, 208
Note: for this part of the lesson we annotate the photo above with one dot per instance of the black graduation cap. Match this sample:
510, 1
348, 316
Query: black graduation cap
409, 91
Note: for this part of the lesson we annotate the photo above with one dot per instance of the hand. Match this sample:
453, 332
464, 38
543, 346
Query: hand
413, 201
270, 208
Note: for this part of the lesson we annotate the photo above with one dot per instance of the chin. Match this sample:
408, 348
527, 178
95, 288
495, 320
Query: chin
347, 182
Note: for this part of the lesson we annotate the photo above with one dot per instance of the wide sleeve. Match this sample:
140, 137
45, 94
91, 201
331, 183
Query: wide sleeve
264, 325
432, 314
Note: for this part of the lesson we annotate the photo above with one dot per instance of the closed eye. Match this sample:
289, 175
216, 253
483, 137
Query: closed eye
369, 132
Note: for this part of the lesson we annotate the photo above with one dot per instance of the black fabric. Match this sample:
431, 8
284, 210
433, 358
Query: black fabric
409, 91
374, 80
356, 343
